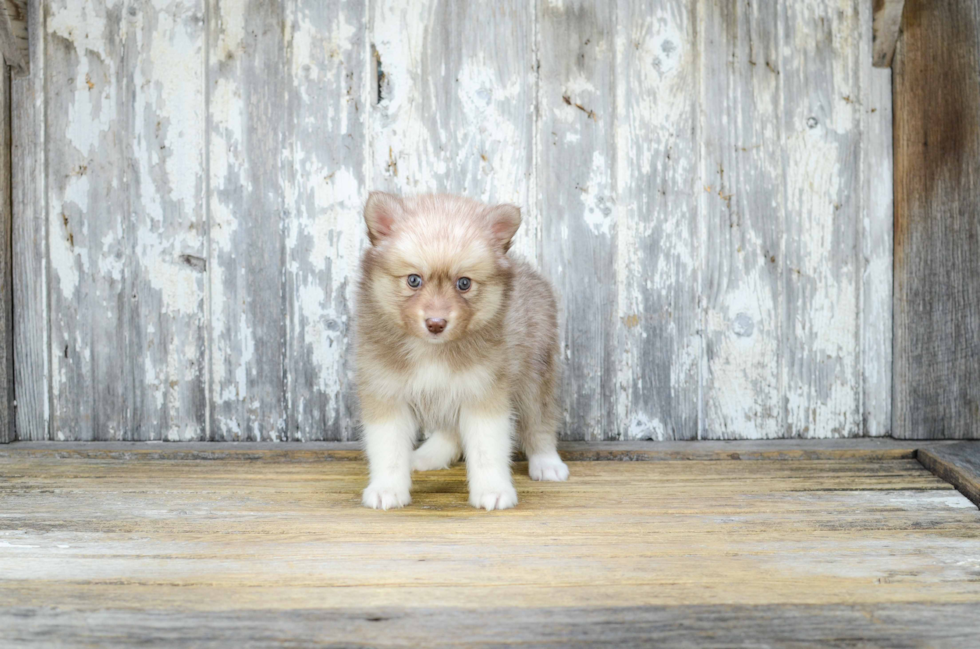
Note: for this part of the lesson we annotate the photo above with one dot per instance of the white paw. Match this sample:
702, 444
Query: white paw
502, 497
547, 467
380, 495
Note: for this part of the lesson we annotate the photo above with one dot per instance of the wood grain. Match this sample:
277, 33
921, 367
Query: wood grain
819, 77
656, 346
706, 184
743, 208
577, 200
13, 35
167, 229
88, 115
32, 349
957, 464
325, 165
169, 541
887, 27
876, 231
937, 232
246, 60
865, 449
7, 416
710, 626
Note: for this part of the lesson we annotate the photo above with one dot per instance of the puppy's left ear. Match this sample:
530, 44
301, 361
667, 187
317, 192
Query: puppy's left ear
504, 221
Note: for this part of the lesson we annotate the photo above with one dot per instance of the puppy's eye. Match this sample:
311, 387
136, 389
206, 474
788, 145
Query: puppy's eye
463, 284
414, 281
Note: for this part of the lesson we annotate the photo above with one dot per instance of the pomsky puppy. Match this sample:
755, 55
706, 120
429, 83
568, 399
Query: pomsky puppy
458, 340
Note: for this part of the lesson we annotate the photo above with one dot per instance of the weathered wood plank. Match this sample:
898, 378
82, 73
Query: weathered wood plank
819, 78
88, 112
937, 232
656, 342
247, 245
166, 228
454, 101
216, 538
574, 165
709, 626
7, 416
957, 464
887, 27
30, 252
864, 449
876, 241
325, 185
13, 35
743, 210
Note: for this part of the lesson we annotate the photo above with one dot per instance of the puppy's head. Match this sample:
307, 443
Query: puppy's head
437, 267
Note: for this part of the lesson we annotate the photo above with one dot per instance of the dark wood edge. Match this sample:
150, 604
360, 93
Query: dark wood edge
637, 451
957, 464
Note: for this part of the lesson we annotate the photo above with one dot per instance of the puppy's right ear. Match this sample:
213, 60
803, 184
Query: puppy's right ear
380, 214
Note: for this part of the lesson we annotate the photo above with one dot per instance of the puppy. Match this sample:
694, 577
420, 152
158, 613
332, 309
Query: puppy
457, 339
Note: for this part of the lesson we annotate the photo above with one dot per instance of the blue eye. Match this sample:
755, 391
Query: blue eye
463, 284
414, 281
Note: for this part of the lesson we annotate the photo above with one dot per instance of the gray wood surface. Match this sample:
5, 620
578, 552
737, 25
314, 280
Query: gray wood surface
880, 625
88, 111
654, 198
325, 165
7, 417
256, 548
30, 251
887, 27
957, 464
937, 231
247, 83
13, 35
576, 194
707, 185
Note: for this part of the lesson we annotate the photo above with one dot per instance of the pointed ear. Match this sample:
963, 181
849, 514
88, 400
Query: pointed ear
504, 220
380, 213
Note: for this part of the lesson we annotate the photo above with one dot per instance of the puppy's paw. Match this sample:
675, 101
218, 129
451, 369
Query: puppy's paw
502, 496
382, 495
549, 468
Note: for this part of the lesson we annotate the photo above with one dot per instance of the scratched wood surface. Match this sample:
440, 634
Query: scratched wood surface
707, 184
96, 546
7, 423
937, 231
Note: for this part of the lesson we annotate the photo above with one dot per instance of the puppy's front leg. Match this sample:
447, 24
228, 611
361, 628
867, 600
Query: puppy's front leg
389, 435
486, 433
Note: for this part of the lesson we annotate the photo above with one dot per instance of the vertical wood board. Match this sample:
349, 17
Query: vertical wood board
937, 227
706, 184
29, 236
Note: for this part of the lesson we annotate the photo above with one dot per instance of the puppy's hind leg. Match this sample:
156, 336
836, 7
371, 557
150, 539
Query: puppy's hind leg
539, 437
438, 452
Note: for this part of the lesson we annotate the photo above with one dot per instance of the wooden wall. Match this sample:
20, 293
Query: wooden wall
707, 183
937, 221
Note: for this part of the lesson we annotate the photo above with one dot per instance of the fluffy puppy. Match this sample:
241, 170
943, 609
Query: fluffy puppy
455, 339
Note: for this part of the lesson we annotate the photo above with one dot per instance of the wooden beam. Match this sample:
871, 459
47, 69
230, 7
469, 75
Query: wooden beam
957, 464
936, 344
13, 34
7, 428
887, 26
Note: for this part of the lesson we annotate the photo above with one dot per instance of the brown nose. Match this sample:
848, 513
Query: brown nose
435, 325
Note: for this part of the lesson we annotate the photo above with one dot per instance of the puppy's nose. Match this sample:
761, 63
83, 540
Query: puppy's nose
435, 325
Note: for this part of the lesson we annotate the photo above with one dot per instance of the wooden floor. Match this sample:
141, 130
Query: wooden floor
272, 548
